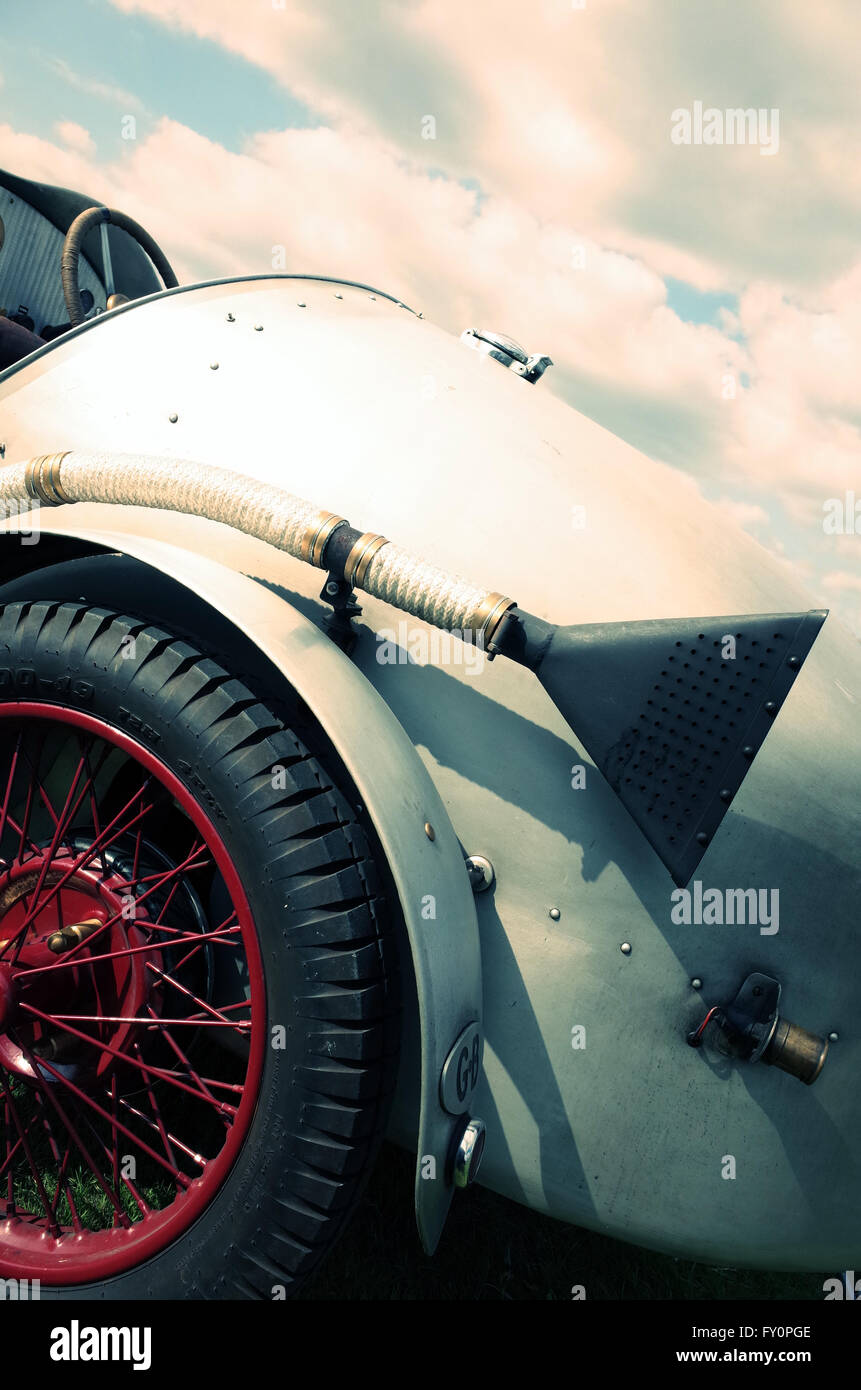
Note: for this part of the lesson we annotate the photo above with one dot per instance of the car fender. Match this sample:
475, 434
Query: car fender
423, 853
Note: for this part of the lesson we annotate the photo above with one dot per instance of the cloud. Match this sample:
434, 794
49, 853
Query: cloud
568, 111
841, 580
343, 202
105, 91
75, 136
745, 514
552, 205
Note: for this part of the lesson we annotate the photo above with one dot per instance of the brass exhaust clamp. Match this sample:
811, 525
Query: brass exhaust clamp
362, 553
42, 480
485, 621
317, 535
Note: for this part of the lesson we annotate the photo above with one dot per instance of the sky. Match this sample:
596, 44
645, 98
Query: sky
557, 170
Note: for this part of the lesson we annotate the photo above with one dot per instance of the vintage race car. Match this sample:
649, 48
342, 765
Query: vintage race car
305, 840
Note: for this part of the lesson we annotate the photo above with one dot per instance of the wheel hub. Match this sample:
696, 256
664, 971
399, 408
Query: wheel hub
91, 913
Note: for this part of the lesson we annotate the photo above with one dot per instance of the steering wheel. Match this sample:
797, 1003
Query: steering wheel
71, 255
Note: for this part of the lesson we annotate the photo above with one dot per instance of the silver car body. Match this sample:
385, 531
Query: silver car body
597, 1110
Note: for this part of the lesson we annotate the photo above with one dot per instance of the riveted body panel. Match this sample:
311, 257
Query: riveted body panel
355, 404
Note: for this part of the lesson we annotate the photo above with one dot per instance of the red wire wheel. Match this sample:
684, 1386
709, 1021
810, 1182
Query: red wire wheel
120, 1117
199, 1025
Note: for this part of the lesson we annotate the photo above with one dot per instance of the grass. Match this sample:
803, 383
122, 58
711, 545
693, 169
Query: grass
495, 1249
491, 1249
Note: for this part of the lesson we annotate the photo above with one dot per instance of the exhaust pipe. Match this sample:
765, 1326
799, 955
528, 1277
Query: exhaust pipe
672, 712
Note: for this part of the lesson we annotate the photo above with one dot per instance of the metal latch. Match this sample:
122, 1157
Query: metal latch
508, 352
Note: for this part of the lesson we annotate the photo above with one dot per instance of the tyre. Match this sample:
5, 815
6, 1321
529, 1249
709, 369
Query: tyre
198, 982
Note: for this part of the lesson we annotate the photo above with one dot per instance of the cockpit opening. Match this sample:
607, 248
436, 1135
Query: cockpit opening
66, 259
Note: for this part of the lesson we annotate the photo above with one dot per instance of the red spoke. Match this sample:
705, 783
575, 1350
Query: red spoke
182, 1057
53, 1225
185, 867
28, 809
159, 1125
201, 940
10, 780
188, 993
80, 1095
189, 1153
42, 793
10, 1153
157, 1020
115, 1162
67, 815
61, 1184
212, 1081
12, 1149
221, 1106
86, 747
33, 971
167, 902
225, 1008
23, 829
82, 862
119, 1210
137, 856
37, 1064
141, 1204
55, 844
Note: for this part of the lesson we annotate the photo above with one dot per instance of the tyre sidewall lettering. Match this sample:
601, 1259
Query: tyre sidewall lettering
27, 680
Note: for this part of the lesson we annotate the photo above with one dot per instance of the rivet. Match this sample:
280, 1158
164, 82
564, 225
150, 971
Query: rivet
555, 913
625, 948
429, 830
230, 318
747, 751
213, 366
372, 296
258, 328
696, 982
2, 451
725, 794
300, 304
702, 838
770, 707
794, 662
173, 418
833, 1037
338, 296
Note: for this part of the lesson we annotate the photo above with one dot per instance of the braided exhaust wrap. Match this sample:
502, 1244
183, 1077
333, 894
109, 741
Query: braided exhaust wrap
263, 511
443, 600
